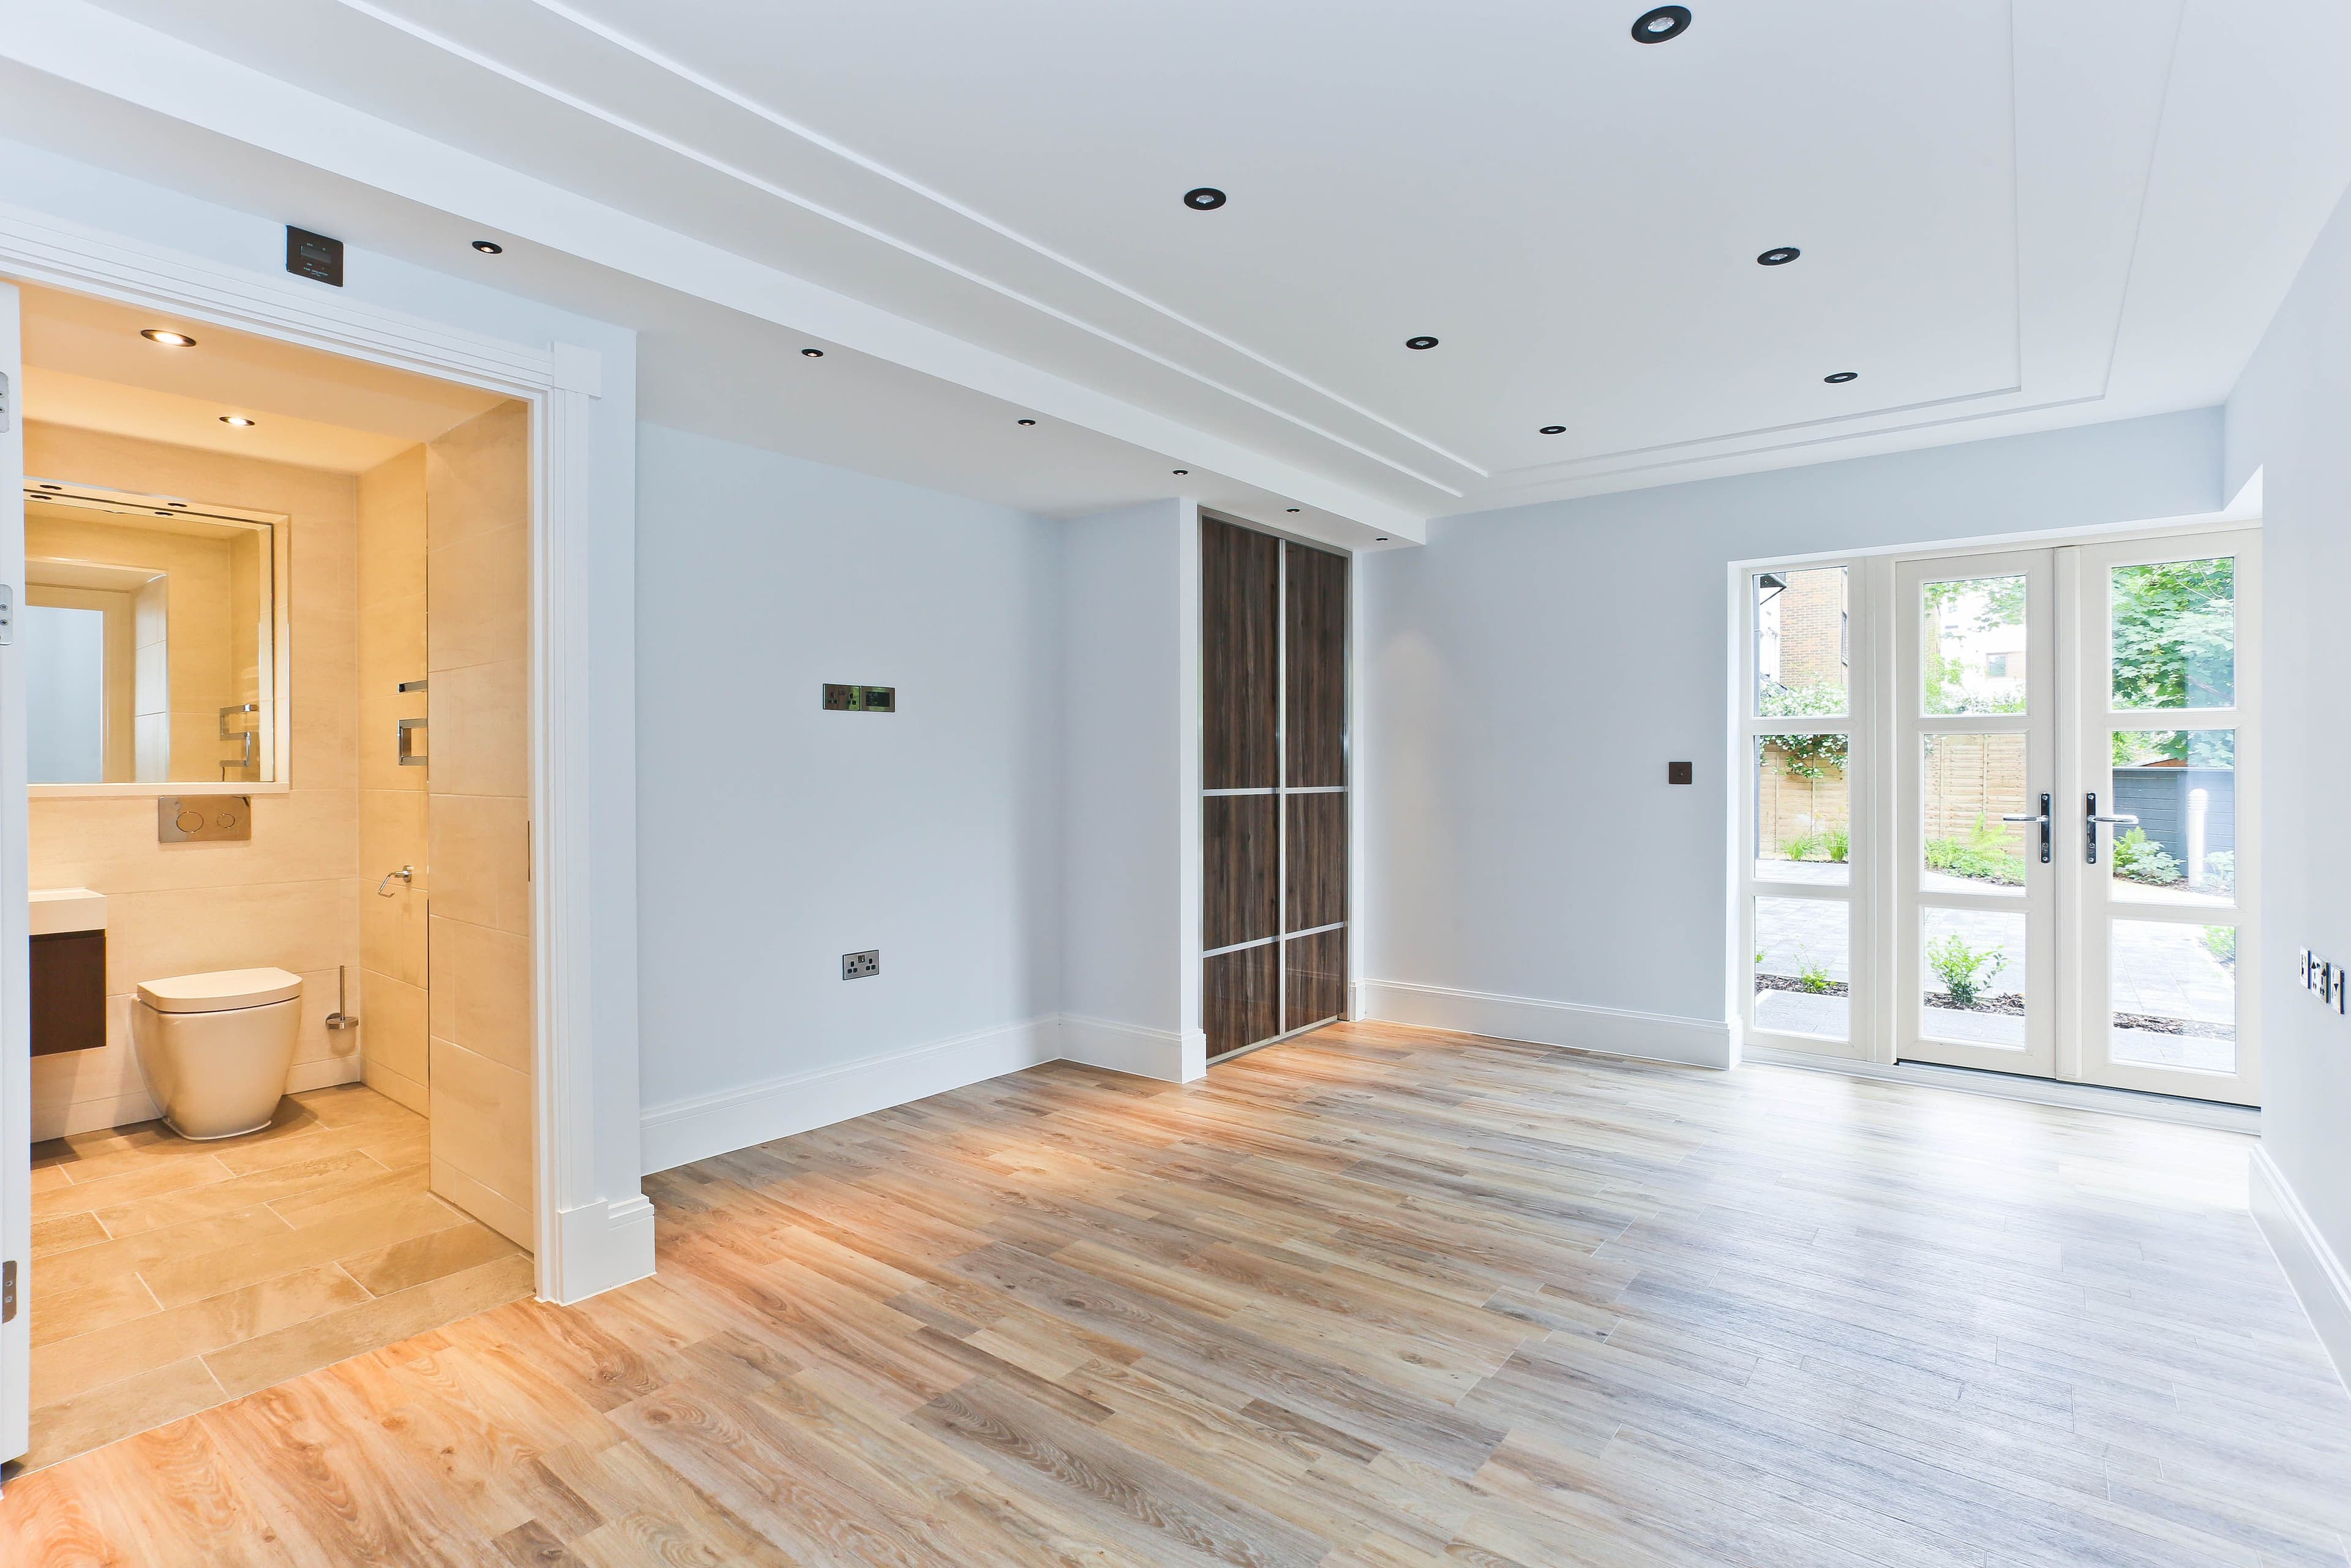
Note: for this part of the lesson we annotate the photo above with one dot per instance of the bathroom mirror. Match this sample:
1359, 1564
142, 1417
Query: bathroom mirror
154, 639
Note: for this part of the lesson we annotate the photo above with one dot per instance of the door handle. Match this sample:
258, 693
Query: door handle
2043, 819
2093, 817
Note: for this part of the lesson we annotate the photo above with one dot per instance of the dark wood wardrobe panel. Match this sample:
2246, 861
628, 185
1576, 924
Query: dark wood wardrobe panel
1317, 719
1317, 858
1240, 657
1318, 977
1240, 999
1241, 890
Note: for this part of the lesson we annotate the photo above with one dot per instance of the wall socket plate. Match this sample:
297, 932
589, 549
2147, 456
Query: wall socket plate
2328, 981
195, 818
860, 966
860, 699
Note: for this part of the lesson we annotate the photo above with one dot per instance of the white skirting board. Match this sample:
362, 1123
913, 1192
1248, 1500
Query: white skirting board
1130, 1047
1612, 1031
2313, 1270
686, 1129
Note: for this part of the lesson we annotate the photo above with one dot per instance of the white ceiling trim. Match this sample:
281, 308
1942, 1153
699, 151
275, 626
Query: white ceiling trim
84, 43
720, 166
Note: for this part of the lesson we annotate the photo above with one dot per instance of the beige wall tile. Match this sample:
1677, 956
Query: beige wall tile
493, 1209
397, 1087
480, 599
302, 927
488, 974
478, 475
480, 871
481, 729
392, 1027
477, 1106
392, 539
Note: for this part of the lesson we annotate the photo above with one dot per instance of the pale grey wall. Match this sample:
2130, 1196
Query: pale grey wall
776, 836
1529, 673
2290, 417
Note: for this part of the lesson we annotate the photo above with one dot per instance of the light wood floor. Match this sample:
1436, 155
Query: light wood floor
1373, 1299
170, 1276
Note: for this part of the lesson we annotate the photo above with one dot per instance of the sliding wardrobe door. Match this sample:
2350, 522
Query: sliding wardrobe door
1273, 778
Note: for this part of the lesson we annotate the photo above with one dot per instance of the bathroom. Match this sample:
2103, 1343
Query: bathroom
276, 637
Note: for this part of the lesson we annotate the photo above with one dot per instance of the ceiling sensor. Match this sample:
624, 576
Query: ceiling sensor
236, 419
1553, 430
1204, 198
168, 338
1779, 255
1024, 422
1842, 377
1420, 342
490, 247
1664, 22
812, 353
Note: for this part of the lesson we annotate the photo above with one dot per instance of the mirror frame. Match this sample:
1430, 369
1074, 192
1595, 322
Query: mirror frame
98, 497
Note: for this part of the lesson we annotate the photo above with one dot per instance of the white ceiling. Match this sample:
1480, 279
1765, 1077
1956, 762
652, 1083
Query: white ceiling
2014, 214
86, 366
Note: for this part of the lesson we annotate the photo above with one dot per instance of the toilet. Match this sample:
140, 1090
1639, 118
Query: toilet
215, 1048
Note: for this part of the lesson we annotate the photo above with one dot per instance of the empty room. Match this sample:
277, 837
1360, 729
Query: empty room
1284, 785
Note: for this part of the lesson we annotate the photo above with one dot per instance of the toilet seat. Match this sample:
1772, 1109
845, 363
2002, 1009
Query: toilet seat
220, 991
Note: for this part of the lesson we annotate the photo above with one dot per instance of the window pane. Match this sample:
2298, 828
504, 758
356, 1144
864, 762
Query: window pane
2174, 634
1966, 784
1802, 816
1802, 974
64, 695
1974, 977
2175, 995
1801, 643
2181, 785
1973, 657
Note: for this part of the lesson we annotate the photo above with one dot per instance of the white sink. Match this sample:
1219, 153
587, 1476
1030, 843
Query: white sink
56, 909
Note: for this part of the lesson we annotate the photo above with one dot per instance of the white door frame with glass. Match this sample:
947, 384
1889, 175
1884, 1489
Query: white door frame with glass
2004, 818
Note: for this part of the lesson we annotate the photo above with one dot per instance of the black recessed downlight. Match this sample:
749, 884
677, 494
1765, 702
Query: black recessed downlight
179, 502
1381, 539
1422, 342
1664, 22
1778, 255
1204, 198
490, 247
168, 338
1553, 430
1179, 471
1024, 422
46, 487
1291, 508
812, 353
1842, 377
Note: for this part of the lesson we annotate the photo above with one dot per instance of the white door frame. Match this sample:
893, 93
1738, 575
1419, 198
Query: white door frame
586, 1240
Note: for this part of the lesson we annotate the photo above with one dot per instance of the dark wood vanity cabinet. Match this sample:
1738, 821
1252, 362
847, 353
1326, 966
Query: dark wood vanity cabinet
68, 991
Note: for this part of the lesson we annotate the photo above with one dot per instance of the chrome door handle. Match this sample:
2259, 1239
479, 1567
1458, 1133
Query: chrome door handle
2092, 818
2042, 818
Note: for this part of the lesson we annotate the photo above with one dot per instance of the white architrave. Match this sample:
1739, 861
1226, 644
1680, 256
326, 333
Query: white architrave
587, 1240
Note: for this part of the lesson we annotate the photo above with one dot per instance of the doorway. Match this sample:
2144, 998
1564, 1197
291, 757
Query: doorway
2004, 817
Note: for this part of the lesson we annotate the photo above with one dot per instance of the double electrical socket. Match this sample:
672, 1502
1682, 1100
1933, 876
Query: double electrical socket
860, 966
2328, 981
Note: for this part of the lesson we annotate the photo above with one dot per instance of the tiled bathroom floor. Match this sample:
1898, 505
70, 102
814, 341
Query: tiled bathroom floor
168, 1277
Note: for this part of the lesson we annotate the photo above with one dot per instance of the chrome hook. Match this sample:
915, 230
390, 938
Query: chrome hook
406, 873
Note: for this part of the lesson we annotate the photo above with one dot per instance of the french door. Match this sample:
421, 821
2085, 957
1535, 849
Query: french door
2045, 778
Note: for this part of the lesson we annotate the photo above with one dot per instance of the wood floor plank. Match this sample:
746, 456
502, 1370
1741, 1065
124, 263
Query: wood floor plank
1373, 1298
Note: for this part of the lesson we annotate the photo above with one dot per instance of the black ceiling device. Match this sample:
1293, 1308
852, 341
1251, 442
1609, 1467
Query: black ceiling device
314, 257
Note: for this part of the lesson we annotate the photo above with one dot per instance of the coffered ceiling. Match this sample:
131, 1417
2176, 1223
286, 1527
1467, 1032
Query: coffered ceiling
2011, 214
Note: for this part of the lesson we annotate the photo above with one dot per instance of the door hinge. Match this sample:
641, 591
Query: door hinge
8, 1292
3, 404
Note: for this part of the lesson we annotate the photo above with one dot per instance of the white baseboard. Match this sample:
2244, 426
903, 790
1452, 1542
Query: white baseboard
2311, 1267
688, 1130
1130, 1047
2017, 1086
599, 1246
1612, 1031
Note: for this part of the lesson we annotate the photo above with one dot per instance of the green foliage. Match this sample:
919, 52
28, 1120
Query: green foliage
2220, 941
1812, 976
2174, 636
1838, 844
1803, 756
1945, 675
2221, 865
2142, 858
1799, 846
1984, 854
1963, 969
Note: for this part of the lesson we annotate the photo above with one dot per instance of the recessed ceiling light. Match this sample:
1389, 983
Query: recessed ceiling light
170, 339
1291, 508
161, 512
811, 353
236, 419
1553, 430
1024, 422
1381, 541
1664, 22
490, 247
1842, 377
1204, 198
179, 502
48, 487
1778, 255
1422, 342
1179, 470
